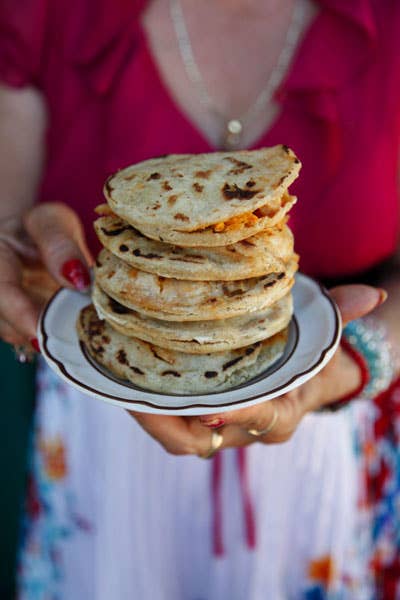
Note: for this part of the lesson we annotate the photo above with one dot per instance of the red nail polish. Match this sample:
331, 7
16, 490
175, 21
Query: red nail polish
213, 424
76, 273
35, 344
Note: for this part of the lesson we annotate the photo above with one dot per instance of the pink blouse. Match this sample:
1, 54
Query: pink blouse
108, 107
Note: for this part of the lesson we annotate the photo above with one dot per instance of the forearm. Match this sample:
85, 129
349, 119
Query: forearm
22, 130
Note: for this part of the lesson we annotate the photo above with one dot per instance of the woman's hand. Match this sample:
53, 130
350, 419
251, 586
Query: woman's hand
181, 435
38, 252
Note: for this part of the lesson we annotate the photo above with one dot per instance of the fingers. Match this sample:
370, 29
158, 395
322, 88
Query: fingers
355, 301
177, 435
284, 412
59, 235
16, 308
10, 335
188, 436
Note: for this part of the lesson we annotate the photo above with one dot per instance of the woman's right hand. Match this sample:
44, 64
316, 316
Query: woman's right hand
40, 251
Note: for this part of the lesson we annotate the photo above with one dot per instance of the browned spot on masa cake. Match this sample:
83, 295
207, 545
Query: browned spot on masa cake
121, 357
234, 191
282, 179
172, 199
231, 363
203, 174
136, 370
240, 166
198, 187
137, 252
154, 176
166, 186
210, 374
181, 217
97, 349
157, 355
174, 373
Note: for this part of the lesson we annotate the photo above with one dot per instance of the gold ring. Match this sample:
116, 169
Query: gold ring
216, 443
272, 424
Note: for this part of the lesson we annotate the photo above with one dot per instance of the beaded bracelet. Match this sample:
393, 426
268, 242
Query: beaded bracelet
367, 342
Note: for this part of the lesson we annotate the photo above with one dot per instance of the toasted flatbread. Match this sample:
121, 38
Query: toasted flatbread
169, 196
263, 253
229, 232
168, 371
180, 300
195, 337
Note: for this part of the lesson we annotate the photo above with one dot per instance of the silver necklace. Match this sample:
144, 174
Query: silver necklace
233, 128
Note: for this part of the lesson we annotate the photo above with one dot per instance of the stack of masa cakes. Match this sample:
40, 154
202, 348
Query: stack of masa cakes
192, 287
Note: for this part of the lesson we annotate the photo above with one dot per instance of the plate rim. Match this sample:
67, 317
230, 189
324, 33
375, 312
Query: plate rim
44, 338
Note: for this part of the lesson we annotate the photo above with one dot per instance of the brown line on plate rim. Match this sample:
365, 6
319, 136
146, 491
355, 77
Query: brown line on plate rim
191, 406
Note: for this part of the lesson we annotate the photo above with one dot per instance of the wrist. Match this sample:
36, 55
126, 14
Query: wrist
366, 341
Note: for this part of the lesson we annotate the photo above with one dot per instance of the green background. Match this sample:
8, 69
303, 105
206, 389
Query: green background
17, 402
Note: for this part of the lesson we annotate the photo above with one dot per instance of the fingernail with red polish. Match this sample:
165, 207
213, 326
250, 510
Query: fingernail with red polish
213, 424
382, 296
76, 273
35, 344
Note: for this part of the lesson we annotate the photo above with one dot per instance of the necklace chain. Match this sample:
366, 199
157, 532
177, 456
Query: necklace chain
233, 128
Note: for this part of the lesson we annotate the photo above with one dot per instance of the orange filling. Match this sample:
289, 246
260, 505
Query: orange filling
104, 210
235, 223
250, 218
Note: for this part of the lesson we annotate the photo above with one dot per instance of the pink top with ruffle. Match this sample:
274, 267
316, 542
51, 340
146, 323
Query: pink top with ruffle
108, 108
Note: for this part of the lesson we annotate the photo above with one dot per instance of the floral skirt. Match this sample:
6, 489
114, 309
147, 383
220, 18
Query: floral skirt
110, 515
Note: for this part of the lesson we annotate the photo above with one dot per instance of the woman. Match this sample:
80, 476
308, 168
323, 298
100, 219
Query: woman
90, 87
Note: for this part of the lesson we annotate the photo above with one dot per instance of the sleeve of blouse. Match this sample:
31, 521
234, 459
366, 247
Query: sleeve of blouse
390, 40
23, 25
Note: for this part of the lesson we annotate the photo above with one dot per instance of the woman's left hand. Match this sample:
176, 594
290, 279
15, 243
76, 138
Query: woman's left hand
341, 376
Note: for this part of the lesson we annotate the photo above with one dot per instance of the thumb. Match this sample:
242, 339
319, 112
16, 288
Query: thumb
355, 301
58, 233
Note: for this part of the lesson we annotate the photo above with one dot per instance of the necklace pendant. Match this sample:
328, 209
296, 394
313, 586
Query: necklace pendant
233, 134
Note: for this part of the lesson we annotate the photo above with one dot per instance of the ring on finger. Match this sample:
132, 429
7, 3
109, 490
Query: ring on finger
270, 426
216, 443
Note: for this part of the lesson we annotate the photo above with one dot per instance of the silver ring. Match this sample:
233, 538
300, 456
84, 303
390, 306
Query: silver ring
258, 433
216, 443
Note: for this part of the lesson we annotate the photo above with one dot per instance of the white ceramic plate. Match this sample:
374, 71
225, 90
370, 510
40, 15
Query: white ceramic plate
313, 338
